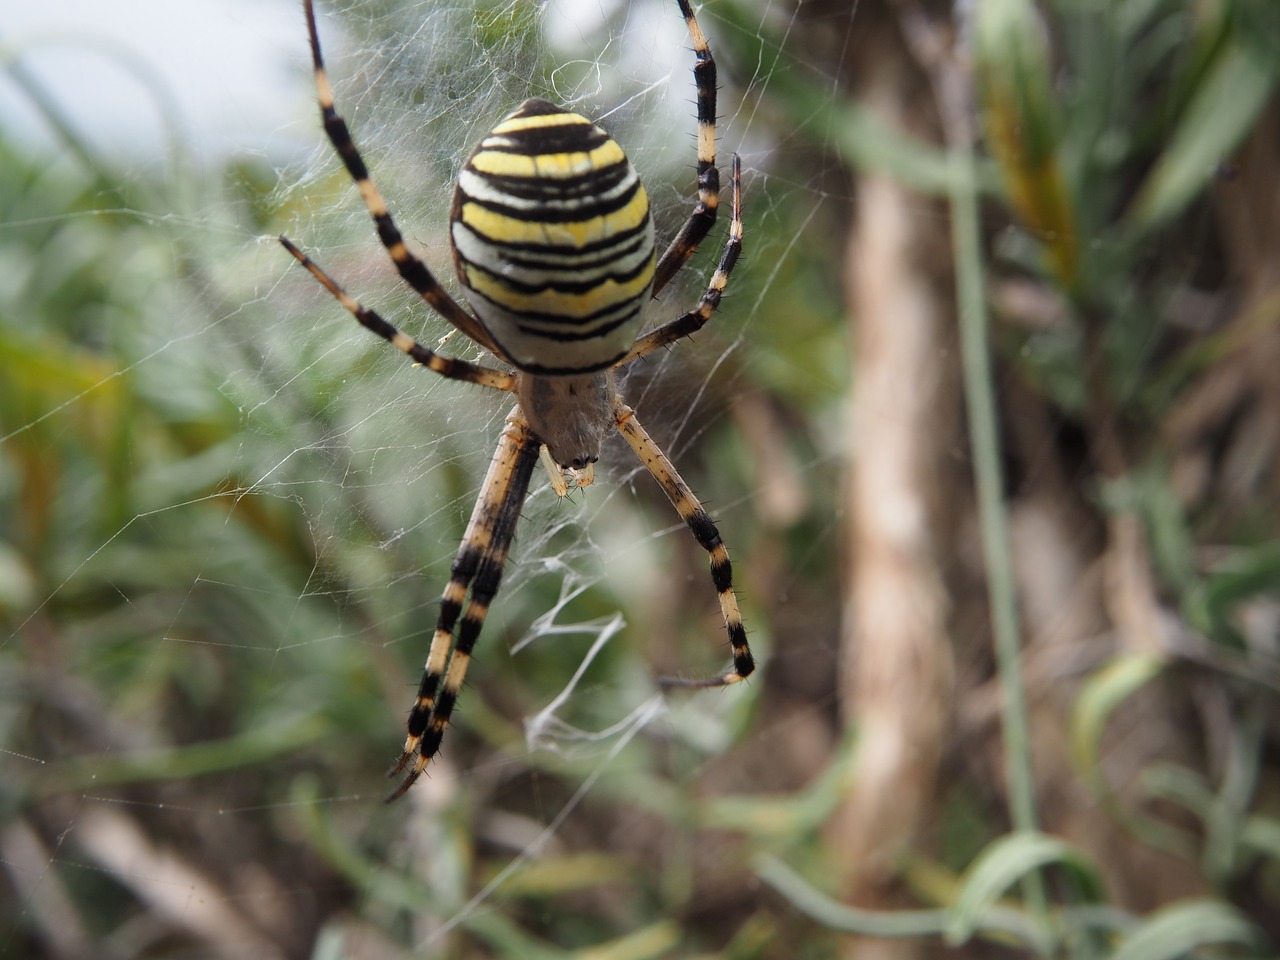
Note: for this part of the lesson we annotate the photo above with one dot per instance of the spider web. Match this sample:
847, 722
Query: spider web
227, 512
225, 623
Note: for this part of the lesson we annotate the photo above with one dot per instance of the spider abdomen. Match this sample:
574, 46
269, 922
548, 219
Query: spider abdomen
553, 241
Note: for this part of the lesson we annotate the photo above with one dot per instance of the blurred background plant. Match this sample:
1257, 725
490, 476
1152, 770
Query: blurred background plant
990, 422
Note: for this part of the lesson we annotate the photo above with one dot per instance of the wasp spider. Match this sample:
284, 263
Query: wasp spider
554, 246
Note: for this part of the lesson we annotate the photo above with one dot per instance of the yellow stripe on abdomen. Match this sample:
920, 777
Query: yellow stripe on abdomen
554, 307
553, 241
507, 230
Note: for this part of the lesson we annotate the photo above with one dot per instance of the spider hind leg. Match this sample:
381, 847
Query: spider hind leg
705, 532
477, 570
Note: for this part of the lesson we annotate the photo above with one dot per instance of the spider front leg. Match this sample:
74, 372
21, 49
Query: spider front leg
478, 569
424, 356
696, 319
704, 530
412, 270
703, 217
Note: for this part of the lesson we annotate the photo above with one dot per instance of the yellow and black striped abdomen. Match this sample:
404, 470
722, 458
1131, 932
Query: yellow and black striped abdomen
553, 241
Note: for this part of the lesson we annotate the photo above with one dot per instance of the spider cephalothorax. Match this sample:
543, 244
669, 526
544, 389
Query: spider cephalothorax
554, 246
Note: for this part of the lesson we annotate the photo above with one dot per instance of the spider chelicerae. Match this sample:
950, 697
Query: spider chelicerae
553, 243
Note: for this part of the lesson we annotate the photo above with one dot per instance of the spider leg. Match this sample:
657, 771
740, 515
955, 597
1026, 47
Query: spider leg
705, 532
445, 366
695, 319
413, 270
703, 217
478, 569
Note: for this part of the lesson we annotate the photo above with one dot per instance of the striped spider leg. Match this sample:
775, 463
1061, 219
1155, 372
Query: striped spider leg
703, 217
553, 244
708, 536
478, 569
696, 319
411, 269
449, 367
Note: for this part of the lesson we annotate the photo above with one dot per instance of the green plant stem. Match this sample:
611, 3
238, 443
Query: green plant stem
997, 922
257, 745
953, 92
983, 432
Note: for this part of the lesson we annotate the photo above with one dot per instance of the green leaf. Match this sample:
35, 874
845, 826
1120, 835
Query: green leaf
1106, 690
790, 814
998, 922
1004, 863
1235, 89
1263, 835
1178, 929
1244, 575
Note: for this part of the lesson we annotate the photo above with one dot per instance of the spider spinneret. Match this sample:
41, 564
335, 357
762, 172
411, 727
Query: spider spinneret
553, 243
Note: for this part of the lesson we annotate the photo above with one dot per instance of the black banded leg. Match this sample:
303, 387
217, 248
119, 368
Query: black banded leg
484, 587
703, 217
696, 319
477, 568
704, 530
413, 270
445, 366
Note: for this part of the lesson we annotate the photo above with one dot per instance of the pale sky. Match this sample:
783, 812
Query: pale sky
232, 71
